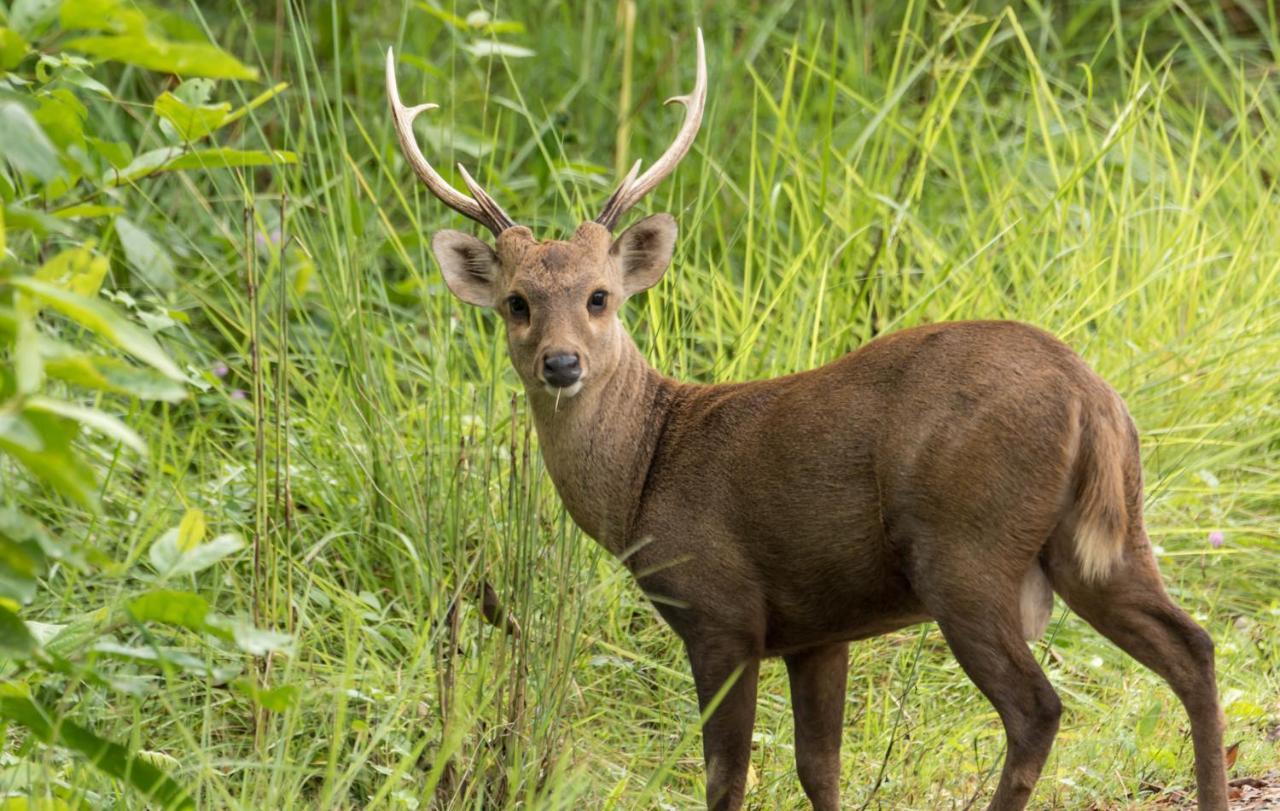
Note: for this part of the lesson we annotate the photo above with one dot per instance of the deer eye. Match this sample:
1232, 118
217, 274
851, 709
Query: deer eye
518, 307
595, 304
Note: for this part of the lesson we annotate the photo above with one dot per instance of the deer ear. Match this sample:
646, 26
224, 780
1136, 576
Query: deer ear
644, 251
470, 266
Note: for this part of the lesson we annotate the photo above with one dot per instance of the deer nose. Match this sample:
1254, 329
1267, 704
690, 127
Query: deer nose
562, 369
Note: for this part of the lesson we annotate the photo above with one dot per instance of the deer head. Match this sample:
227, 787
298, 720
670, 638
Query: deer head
559, 298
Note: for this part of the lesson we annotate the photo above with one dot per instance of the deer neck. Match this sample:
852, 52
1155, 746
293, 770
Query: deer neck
598, 445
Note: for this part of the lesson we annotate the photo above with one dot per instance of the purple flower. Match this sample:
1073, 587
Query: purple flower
238, 394
220, 370
1216, 539
268, 240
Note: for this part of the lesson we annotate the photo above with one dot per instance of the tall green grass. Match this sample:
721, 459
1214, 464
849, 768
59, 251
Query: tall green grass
1105, 171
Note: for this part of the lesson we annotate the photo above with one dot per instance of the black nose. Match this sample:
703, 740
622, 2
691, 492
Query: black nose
561, 370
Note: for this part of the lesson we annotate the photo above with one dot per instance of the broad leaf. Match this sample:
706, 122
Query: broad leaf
16, 705
79, 270
12, 48
146, 255
191, 530
229, 158
276, 699
20, 564
110, 374
254, 641
181, 608
95, 315
27, 365
191, 122
16, 641
101, 15
30, 17
25, 145
170, 560
181, 58
99, 421
41, 442
489, 47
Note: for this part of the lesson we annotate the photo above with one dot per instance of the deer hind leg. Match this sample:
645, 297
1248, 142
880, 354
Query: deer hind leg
983, 625
1131, 608
819, 677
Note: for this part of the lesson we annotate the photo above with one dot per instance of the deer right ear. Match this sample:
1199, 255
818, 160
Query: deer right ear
470, 266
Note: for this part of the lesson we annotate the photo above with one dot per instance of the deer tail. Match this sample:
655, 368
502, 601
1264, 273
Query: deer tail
1101, 514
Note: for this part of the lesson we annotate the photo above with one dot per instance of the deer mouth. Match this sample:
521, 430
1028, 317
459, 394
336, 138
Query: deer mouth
563, 391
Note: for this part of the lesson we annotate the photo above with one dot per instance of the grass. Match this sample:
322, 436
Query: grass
1106, 172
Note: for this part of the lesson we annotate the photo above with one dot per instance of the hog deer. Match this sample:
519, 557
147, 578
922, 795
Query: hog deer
956, 472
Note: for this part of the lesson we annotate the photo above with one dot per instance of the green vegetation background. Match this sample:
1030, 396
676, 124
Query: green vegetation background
257, 606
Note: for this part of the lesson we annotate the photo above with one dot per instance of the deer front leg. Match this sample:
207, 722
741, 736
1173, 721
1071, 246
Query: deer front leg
819, 677
726, 735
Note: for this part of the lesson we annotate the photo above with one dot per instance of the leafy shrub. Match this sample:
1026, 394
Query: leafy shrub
73, 361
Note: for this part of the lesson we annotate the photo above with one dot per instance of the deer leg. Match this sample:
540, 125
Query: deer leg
983, 627
1132, 609
819, 677
726, 736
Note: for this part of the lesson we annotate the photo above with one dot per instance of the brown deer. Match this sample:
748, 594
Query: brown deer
957, 472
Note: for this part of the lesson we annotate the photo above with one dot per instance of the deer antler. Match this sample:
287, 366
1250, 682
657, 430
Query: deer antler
633, 188
482, 208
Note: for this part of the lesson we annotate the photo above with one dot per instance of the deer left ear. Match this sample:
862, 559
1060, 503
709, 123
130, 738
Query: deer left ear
644, 251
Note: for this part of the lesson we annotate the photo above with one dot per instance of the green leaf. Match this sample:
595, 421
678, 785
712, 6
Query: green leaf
16, 705
61, 115
191, 611
174, 158
25, 145
221, 158
145, 254
94, 315
79, 270
87, 210
181, 58
254, 641
20, 565
195, 91
25, 549
276, 699
444, 16
191, 122
113, 374
170, 559
490, 47
181, 608
27, 363
254, 103
191, 530
42, 443
90, 418
16, 641
146, 163
21, 218
101, 15
30, 17
12, 48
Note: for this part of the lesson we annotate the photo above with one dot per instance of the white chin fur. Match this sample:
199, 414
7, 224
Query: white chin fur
567, 391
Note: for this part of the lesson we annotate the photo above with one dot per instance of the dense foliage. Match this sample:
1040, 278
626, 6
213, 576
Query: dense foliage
266, 490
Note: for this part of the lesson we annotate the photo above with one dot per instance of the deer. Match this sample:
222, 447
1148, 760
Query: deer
960, 473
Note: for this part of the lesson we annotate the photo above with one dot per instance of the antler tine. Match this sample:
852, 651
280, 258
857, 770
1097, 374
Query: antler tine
631, 189
483, 209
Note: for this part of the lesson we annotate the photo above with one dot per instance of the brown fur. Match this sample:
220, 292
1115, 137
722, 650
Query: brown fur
942, 472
